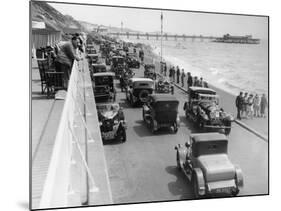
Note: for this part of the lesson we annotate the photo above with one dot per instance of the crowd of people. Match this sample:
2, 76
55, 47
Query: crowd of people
250, 106
178, 76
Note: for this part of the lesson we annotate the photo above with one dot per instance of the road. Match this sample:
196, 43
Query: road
144, 168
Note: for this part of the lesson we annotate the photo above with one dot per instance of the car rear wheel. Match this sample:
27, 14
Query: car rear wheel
227, 130
194, 183
235, 192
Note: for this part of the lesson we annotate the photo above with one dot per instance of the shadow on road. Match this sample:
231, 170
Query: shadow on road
181, 186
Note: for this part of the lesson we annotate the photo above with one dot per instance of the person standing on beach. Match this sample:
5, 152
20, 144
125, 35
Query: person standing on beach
239, 105
256, 106
244, 106
263, 105
182, 77
189, 80
66, 54
178, 74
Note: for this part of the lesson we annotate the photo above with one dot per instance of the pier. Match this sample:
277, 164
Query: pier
165, 36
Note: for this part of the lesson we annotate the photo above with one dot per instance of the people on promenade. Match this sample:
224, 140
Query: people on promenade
201, 82
178, 74
195, 81
239, 105
173, 73
66, 54
165, 69
182, 77
256, 106
189, 80
250, 109
244, 105
263, 105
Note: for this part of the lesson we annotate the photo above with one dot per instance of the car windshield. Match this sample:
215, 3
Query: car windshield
102, 80
210, 147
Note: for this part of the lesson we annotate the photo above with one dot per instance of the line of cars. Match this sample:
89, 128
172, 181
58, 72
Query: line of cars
203, 159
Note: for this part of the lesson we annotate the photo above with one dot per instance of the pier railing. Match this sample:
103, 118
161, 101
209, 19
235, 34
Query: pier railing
69, 179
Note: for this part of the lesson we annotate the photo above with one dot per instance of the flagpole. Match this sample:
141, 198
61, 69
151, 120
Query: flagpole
161, 36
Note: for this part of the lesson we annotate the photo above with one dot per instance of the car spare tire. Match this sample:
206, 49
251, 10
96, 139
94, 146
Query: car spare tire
143, 95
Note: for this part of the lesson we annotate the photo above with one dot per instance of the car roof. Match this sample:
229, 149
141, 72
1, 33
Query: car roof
206, 137
141, 79
104, 74
202, 89
164, 97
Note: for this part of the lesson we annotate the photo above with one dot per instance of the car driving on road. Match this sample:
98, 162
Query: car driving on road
205, 163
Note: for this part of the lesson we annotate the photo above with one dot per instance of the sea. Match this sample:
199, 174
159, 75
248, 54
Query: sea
228, 66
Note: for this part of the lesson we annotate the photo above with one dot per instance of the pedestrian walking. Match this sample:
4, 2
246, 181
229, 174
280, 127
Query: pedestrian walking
239, 105
263, 105
244, 105
178, 74
182, 77
66, 54
189, 80
256, 106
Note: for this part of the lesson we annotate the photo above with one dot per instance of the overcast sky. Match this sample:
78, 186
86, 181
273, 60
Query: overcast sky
189, 23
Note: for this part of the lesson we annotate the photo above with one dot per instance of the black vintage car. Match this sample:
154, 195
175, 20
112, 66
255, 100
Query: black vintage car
138, 90
161, 111
203, 108
149, 71
162, 85
103, 85
112, 122
98, 68
117, 65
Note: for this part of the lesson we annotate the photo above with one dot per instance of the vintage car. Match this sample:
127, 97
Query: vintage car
163, 85
160, 111
111, 121
93, 58
204, 161
98, 68
117, 65
149, 71
203, 108
132, 61
103, 86
138, 90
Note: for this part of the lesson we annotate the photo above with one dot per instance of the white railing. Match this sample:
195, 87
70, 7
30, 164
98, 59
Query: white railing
69, 149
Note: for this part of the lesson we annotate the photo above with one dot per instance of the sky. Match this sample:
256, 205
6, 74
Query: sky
189, 23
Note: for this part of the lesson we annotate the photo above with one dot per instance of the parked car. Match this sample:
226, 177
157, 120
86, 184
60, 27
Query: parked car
103, 85
138, 90
132, 61
98, 68
205, 163
149, 71
162, 85
112, 121
117, 65
161, 111
203, 108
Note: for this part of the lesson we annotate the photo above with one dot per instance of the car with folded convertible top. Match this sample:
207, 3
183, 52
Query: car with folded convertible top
161, 111
111, 121
202, 108
204, 161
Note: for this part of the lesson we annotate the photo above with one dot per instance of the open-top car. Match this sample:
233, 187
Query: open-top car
161, 111
163, 85
203, 108
149, 71
112, 121
117, 65
103, 85
204, 161
132, 61
98, 68
138, 90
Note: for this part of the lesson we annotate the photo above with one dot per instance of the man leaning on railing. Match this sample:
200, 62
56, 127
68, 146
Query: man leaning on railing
66, 54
